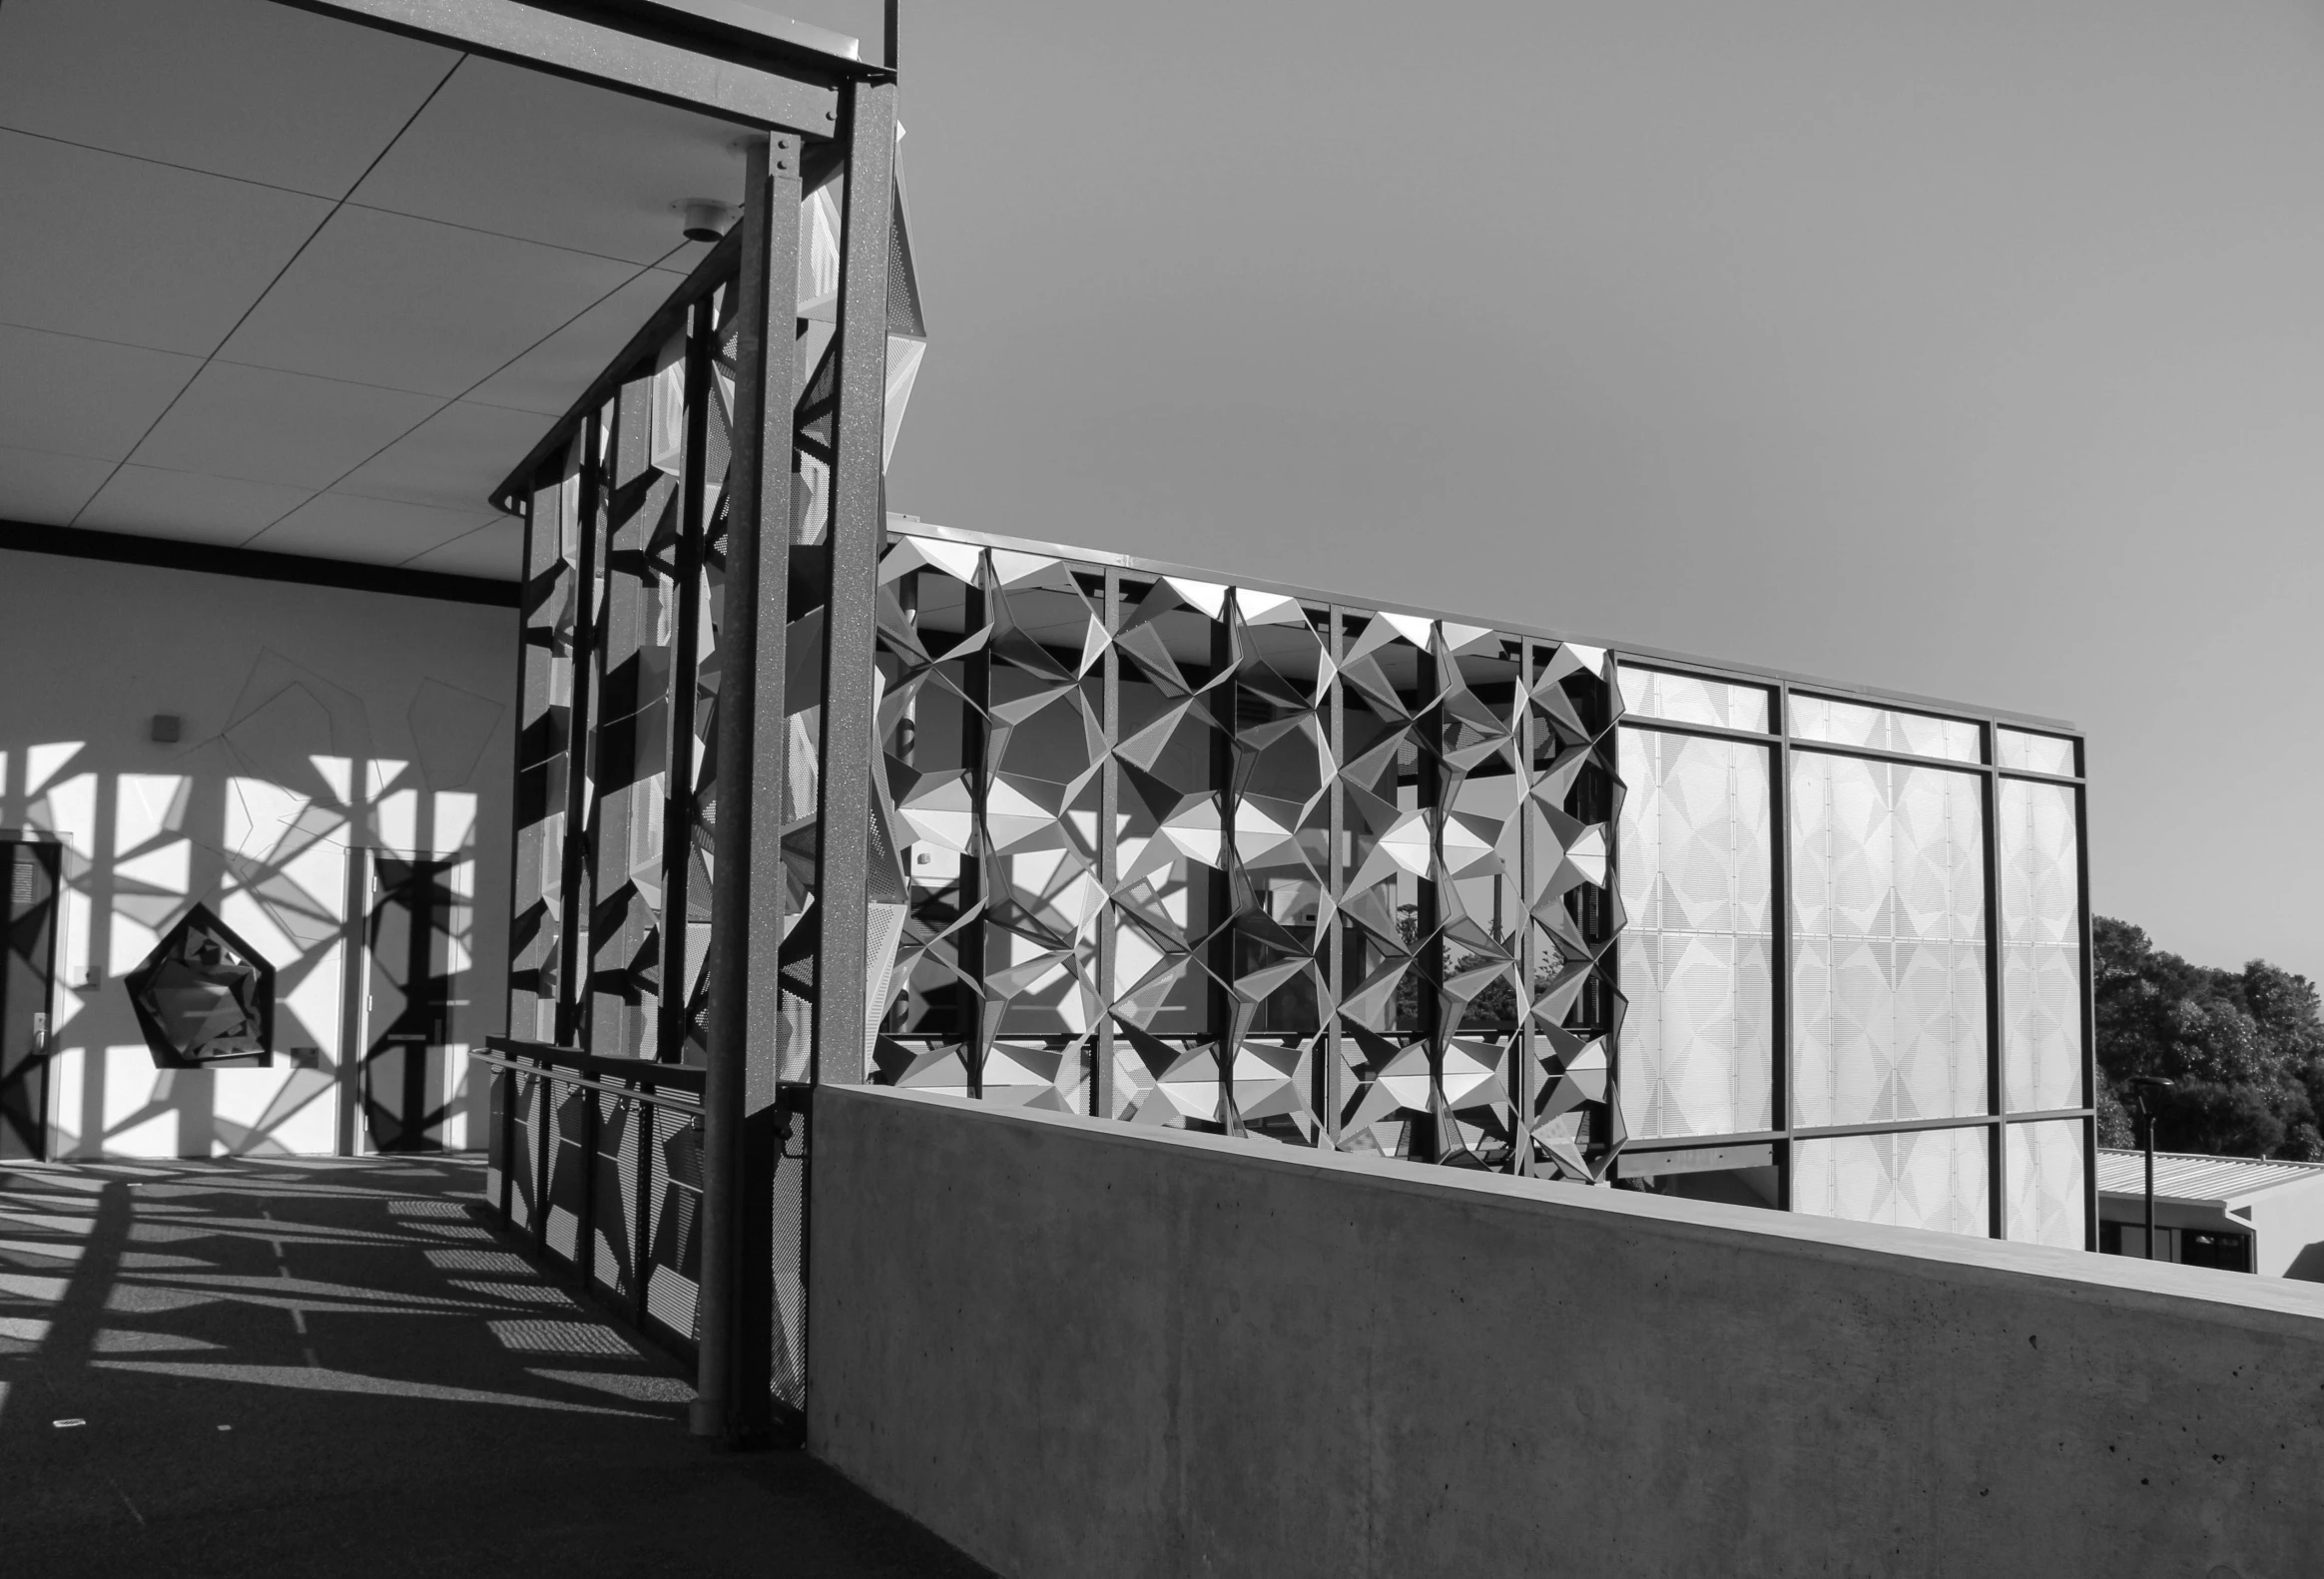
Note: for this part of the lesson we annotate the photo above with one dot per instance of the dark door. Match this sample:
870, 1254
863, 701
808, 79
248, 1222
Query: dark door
30, 890
412, 945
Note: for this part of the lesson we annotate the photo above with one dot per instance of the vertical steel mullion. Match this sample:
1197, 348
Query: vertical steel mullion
747, 888
678, 808
976, 680
858, 528
1109, 797
1997, 1069
1524, 1045
1333, 1096
2090, 1006
582, 728
1219, 881
1780, 939
1427, 793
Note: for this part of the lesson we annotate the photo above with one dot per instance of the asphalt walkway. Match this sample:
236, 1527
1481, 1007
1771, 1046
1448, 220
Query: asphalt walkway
335, 1368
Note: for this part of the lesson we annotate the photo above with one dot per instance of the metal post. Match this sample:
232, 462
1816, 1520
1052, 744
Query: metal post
2149, 1116
746, 899
859, 527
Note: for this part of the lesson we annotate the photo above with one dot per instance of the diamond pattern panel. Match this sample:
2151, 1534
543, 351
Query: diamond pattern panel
1888, 963
2047, 1177
2042, 1056
1698, 1052
1927, 1179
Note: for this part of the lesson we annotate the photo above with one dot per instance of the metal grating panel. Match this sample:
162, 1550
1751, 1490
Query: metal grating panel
570, 1166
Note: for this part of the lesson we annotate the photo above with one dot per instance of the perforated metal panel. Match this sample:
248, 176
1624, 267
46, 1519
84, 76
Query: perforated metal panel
1688, 698
569, 1167
1697, 950
789, 1367
613, 1196
2033, 754
2043, 1057
2047, 1175
673, 1277
1889, 961
1885, 729
1932, 1179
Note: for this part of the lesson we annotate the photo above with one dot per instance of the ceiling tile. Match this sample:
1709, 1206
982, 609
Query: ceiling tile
550, 377
244, 88
121, 250
268, 427
494, 551
411, 305
47, 489
77, 396
455, 459
373, 531
525, 154
183, 504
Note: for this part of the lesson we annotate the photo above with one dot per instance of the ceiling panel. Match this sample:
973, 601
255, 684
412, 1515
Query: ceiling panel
411, 305
122, 250
455, 459
550, 379
373, 531
525, 154
183, 505
494, 551
47, 489
244, 88
78, 396
268, 427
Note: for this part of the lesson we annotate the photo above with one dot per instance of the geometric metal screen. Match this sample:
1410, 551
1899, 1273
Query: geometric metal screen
1358, 885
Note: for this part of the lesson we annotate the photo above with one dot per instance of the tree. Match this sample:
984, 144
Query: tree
2245, 1049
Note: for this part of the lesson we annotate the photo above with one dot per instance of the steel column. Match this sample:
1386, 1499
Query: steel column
850, 622
739, 1142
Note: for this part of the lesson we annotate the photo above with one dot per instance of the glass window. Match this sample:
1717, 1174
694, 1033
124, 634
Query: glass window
2033, 754
1697, 1053
1932, 1179
2046, 1183
1888, 958
1884, 728
2042, 961
1685, 699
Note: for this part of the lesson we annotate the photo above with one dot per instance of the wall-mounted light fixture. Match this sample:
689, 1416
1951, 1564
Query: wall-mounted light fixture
707, 218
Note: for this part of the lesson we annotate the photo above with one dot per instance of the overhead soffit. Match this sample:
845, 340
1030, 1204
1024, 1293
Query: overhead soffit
277, 281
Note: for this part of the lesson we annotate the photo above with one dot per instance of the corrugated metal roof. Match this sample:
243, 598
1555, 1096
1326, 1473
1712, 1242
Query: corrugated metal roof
2183, 1178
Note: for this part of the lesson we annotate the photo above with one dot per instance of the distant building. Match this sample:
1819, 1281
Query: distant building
2238, 1214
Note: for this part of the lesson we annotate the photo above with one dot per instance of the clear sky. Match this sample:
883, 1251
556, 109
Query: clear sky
1970, 347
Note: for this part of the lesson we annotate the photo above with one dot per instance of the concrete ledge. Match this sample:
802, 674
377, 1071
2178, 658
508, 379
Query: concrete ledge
1075, 1347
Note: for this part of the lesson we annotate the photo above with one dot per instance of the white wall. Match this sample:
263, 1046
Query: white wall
319, 724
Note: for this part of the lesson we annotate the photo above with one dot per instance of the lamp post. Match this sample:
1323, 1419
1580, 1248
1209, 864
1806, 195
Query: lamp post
2143, 1090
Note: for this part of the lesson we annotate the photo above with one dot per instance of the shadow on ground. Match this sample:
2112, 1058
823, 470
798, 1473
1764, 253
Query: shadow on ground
333, 1368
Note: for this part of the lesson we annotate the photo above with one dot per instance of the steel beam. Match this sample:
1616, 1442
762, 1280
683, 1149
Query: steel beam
857, 531
647, 51
739, 1088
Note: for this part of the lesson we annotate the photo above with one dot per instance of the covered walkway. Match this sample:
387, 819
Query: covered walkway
334, 1367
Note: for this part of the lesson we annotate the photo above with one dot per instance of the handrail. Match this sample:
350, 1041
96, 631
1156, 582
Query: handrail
674, 1086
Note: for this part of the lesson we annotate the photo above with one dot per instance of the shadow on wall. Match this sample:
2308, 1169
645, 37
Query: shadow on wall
351, 873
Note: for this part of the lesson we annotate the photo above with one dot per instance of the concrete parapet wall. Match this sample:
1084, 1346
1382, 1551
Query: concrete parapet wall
1078, 1348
